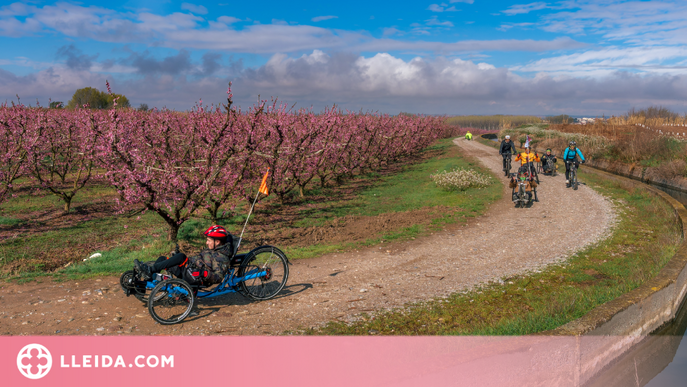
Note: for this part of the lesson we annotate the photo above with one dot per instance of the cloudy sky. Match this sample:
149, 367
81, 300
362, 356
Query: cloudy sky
455, 57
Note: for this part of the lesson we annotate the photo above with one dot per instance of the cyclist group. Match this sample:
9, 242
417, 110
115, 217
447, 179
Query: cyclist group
528, 171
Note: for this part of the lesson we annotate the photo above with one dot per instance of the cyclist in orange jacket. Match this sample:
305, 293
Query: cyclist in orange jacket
527, 158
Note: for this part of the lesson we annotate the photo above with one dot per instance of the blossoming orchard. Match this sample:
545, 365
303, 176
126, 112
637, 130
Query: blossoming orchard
179, 163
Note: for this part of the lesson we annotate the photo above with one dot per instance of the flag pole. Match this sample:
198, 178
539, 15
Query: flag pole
244, 225
264, 179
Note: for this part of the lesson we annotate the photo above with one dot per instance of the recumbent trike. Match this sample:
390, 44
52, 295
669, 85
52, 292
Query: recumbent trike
259, 274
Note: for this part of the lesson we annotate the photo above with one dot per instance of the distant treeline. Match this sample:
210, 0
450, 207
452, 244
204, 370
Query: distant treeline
654, 112
562, 119
494, 122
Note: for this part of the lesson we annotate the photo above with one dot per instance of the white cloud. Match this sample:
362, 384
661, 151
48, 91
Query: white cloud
605, 61
182, 30
382, 81
525, 8
507, 26
462, 1
441, 8
443, 84
633, 22
227, 20
390, 31
322, 18
434, 21
198, 9
381, 45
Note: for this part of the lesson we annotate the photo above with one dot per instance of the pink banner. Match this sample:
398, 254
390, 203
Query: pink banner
293, 361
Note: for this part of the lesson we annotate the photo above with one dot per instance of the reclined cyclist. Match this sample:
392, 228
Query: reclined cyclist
570, 157
530, 185
545, 161
210, 261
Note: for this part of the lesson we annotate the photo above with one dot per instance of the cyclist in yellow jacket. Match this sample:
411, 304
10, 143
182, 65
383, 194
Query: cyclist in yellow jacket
468, 136
527, 157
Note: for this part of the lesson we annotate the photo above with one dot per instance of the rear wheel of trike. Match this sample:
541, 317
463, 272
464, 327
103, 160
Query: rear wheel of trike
266, 270
132, 286
170, 301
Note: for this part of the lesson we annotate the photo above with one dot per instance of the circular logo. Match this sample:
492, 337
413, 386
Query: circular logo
34, 361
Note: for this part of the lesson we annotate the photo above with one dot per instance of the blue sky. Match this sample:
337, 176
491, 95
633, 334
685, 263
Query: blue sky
453, 57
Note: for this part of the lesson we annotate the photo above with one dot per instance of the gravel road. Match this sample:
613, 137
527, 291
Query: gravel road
504, 242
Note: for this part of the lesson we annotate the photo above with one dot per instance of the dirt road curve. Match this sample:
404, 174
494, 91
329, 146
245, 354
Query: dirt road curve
504, 242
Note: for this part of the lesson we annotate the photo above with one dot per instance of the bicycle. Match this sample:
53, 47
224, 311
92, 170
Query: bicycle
508, 164
529, 172
572, 175
259, 274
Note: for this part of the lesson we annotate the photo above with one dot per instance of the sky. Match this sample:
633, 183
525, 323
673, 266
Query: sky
456, 57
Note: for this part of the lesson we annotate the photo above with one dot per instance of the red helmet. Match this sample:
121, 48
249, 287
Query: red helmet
216, 232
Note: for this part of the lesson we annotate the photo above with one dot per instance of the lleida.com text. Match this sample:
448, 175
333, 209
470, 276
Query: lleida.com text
107, 361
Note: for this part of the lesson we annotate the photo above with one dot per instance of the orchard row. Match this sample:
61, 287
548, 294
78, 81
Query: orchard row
177, 163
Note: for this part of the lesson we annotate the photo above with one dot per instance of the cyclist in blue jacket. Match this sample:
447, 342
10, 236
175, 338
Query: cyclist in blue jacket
569, 157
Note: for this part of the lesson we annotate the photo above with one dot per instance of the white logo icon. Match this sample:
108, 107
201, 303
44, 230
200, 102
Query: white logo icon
34, 361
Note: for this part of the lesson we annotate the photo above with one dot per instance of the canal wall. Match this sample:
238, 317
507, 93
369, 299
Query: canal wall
611, 329
614, 328
604, 335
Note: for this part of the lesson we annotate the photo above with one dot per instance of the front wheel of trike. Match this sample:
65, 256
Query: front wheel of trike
265, 271
132, 286
170, 301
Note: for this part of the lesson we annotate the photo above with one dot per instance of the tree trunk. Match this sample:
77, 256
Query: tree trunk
67, 203
300, 191
213, 210
323, 181
173, 231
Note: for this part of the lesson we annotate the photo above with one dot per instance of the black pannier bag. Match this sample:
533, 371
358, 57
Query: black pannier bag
194, 275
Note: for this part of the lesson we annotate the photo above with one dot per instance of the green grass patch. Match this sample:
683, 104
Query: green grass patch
645, 239
9, 221
411, 189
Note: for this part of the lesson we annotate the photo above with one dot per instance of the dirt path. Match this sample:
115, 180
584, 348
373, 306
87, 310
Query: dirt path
341, 286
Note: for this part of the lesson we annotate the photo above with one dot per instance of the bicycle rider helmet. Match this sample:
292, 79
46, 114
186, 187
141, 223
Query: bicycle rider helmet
218, 232
571, 143
507, 137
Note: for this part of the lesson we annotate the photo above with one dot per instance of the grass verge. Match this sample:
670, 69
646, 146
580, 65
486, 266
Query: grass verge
644, 240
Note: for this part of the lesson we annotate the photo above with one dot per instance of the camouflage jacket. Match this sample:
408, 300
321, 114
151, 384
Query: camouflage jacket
214, 261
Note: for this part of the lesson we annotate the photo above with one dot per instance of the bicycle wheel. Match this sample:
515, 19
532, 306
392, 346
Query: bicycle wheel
266, 270
170, 301
131, 286
573, 179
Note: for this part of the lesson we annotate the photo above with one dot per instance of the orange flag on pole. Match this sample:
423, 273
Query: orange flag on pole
263, 185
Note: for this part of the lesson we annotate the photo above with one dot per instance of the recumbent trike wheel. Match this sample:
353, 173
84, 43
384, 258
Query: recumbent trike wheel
170, 301
131, 286
267, 269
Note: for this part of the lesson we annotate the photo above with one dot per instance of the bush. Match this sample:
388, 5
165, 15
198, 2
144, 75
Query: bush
672, 169
460, 179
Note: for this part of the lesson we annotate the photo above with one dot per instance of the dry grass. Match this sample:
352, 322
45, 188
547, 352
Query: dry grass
495, 122
605, 140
